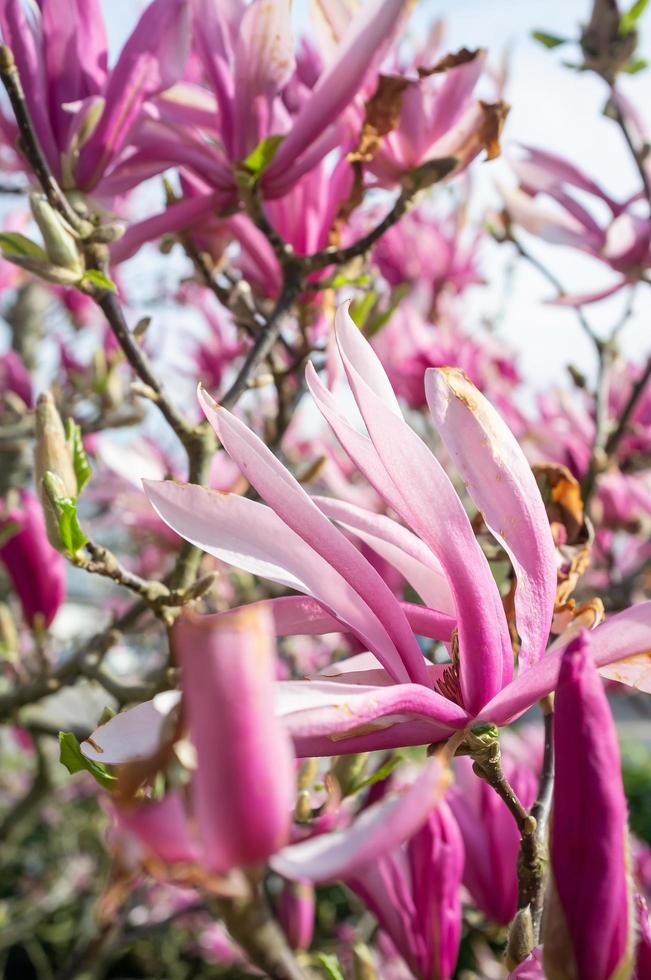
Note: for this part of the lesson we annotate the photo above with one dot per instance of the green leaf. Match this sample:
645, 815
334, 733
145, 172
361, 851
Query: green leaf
96, 278
379, 774
71, 536
80, 462
378, 322
338, 281
330, 965
259, 159
635, 65
628, 20
361, 308
71, 757
548, 40
15, 245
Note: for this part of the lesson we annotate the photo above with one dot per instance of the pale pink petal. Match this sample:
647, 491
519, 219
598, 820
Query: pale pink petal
252, 537
135, 734
398, 546
264, 63
556, 227
426, 500
500, 481
293, 505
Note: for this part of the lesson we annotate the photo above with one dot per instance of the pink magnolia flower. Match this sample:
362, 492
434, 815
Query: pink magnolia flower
415, 894
36, 570
392, 696
410, 344
85, 114
243, 785
258, 91
430, 252
588, 929
623, 242
439, 118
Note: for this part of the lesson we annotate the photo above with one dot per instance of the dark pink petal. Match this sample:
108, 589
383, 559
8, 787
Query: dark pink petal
36, 570
244, 783
27, 48
335, 713
588, 843
161, 826
75, 56
151, 61
360, 48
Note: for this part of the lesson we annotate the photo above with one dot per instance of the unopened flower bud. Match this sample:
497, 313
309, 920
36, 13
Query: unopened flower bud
52, 457
296, 909
60, 246
521, 940
110, 232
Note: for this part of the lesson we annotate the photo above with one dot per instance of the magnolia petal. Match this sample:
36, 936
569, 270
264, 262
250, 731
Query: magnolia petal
588, 836
501, 483
361, 46
633, 671
293, 505
365, 669
397, 545
136, 734
428, 503
325, 716
250, 536
558, 228
380, 829
264, 63
161, 826
623, 636
244, 782
152, 60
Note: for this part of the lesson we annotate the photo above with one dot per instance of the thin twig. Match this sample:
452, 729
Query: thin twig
341, 256
266, 340
30, 142
638, 157
615, 437
109, 303
554, 281
87, 656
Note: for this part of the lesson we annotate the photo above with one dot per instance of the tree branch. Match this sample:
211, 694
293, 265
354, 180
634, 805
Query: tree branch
30, 143
267, 338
